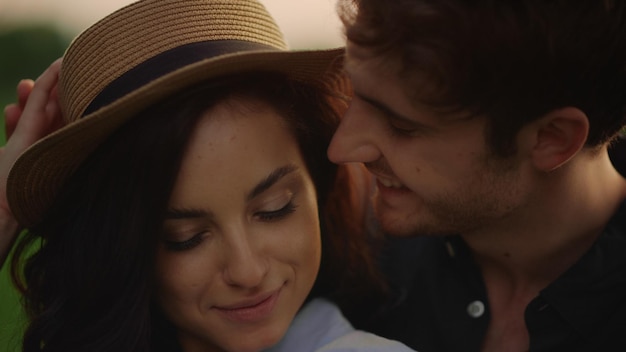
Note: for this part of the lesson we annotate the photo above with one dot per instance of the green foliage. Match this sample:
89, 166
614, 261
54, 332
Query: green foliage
24, 53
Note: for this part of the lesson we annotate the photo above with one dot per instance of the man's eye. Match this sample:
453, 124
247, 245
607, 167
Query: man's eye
400, 131
276, 214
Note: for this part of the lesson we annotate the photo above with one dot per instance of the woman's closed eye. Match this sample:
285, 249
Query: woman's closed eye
190, 243
277, 214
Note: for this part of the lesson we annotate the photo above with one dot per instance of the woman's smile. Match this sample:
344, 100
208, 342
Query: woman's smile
251, 310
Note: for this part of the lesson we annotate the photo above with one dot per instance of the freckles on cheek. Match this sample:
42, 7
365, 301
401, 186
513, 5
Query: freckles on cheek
314, 249
301, 245
172, 277
305, 250
175, 287
174, 291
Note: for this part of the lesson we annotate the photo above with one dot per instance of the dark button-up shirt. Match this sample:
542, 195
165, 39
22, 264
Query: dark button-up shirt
440, 301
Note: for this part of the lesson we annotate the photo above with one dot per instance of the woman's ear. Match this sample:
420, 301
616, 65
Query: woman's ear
559, 136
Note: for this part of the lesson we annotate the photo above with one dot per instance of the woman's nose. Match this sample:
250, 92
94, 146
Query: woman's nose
244, 265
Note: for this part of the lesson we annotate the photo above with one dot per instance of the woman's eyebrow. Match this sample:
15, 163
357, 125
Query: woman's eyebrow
180, 213
270, 180
265, 184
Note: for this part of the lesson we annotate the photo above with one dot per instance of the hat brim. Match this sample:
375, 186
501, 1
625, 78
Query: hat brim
40, 172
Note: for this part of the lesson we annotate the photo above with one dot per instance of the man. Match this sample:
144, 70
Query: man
486, 125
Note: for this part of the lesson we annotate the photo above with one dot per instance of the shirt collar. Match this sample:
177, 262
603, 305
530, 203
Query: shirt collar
590, 291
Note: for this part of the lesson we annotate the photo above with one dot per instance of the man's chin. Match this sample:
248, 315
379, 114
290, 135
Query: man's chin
393, 224
395, 221
396, 224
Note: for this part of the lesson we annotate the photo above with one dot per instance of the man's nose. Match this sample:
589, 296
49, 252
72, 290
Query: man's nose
355, 139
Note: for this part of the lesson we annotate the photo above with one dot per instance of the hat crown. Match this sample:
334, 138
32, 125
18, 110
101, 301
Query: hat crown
147, 28
139, 56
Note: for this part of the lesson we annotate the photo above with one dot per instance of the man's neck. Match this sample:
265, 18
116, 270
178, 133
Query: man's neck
528, 250
561, 219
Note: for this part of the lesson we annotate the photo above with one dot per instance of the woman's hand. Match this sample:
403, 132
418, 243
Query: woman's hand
35, 115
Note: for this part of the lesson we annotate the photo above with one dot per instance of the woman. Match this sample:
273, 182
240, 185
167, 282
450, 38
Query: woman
187, 203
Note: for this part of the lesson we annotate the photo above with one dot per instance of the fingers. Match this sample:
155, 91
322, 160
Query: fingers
53, 110
24, 87
41, 113
42, 89
35, 114
12, 115
13, 112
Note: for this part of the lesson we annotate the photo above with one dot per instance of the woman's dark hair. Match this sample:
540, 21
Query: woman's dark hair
510, 61
88, 285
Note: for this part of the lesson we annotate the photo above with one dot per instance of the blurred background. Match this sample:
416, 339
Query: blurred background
33, 33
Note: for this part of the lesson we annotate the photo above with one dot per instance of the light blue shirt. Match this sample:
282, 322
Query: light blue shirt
320, 327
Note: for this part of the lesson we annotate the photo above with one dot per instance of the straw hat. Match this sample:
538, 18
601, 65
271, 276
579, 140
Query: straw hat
139, 55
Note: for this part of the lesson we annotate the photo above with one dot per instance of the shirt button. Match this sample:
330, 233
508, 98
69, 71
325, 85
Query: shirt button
476, 309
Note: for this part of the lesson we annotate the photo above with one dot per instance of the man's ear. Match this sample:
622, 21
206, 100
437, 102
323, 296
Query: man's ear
559, 135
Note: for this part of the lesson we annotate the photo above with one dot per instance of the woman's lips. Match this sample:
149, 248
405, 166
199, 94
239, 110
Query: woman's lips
250, 310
